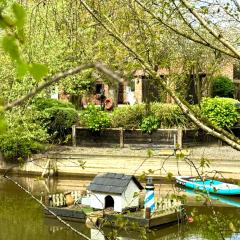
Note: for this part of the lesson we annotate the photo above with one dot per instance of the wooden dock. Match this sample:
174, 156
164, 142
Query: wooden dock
131, 219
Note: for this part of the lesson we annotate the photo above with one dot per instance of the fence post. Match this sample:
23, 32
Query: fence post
74, 142
180, 137
121, 137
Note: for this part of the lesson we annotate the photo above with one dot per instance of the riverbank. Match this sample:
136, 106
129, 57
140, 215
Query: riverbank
81, 162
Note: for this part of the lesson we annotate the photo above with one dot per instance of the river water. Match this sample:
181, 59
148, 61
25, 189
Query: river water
22, 218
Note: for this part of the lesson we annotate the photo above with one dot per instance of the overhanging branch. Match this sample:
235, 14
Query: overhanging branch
59, 76
214, 33
183, 34
222, 135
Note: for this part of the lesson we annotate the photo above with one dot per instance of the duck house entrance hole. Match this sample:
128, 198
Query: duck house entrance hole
109, 202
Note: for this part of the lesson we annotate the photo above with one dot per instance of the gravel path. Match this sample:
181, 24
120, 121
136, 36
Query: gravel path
210, 152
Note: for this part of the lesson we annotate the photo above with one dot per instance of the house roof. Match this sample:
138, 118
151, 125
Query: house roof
112, 183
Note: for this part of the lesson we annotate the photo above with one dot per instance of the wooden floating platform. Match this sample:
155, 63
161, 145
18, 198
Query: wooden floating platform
131, 218
67, 213
154, 221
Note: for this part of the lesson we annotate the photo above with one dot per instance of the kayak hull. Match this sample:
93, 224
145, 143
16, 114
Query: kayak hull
208, 185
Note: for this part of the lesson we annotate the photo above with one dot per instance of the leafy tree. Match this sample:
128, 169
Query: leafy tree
222, 87
122, 41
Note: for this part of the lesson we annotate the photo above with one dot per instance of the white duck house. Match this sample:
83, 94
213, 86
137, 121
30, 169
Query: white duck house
115, 190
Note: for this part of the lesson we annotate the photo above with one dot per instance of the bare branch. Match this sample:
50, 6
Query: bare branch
237, 4
204, 23
183, 34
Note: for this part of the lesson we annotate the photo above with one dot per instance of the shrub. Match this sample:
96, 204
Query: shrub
24, 135
222, 87
149, 124
221, 112
94, 118
58, 121
132, 117
57, 116
43, 103
169, 115
129, 117
17, 145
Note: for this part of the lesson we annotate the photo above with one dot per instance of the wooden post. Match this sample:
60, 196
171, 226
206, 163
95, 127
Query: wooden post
121, 137
46, 168
147, 213
74, 142
179, 138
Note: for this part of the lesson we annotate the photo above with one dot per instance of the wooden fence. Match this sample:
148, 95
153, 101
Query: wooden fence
118, 136
170, 138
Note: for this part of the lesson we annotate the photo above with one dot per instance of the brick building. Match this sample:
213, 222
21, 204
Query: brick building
141, 88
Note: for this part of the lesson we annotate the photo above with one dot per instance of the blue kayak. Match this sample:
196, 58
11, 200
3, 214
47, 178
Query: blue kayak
208, 185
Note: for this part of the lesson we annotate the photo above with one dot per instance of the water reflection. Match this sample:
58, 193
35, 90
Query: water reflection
22, 218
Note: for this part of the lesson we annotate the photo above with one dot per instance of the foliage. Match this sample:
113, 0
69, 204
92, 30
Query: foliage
223, 87
58, 117
24, 135
12, 21
133, 117
169, 115
221, 112
43, 103
79, 85
128, 117
59, 120
3, 125
94, 118
15, 145
149, 124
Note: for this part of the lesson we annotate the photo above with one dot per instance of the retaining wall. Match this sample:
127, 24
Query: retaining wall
170, 138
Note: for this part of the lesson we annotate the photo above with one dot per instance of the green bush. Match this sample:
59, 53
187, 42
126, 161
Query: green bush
169, 115
43, 103
132, 117
58, 121
24, 135
128, 117
94, 118
17, 145
222, 87
57, 116
221, 112
149, 124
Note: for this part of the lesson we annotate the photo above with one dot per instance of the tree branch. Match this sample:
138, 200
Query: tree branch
185, 35
214, 33
59, 76
224, 136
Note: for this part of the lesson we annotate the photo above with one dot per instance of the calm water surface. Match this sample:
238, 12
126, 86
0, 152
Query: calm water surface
21, 218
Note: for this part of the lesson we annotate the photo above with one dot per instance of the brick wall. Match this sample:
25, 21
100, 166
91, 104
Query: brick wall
138, 89
226, 69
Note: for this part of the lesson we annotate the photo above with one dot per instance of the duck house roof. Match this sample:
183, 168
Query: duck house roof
112, 183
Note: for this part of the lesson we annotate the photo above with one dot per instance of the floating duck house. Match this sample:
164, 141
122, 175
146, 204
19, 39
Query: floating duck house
114, 190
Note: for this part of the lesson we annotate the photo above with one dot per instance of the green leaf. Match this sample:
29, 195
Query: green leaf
19, 14
21, 69
38, 71
3, 123
10, 46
